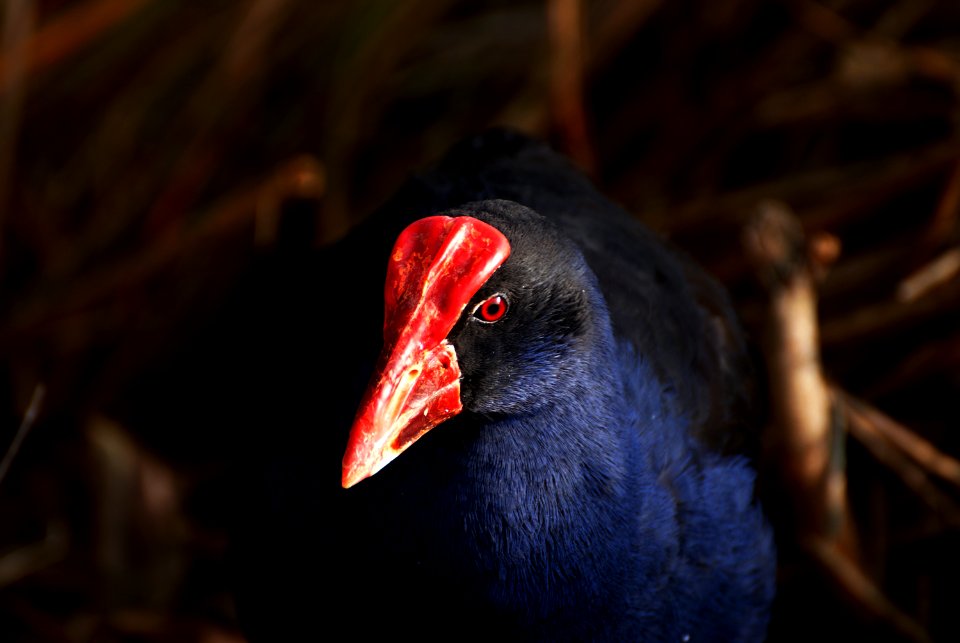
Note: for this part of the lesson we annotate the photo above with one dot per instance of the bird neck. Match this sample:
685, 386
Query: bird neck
558, 495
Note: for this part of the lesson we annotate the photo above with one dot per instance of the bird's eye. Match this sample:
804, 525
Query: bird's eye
491, 309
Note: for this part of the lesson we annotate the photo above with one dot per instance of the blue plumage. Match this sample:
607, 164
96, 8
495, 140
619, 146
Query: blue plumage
597, 485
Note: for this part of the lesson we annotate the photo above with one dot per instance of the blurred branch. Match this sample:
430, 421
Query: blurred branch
841, 192
806, 411
115, 172
945, 217
29, 418
931, 358
885, 317
354, 93
617, 27
25, 561
802, 406
913, 476
137, 502
17, 28
823, 21
57, 40
300, 178
898, 18
219, 102
567, 64
865, 419
936, 273
863, 591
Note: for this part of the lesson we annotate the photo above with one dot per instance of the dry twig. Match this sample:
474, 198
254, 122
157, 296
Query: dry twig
800, 399
565, 18
871, 425
863, 591
29, 418
63, 36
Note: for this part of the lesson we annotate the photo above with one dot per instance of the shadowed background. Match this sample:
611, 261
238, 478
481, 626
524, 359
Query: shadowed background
152, 150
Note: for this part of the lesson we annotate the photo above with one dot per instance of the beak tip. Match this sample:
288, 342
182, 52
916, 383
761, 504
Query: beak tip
352, 475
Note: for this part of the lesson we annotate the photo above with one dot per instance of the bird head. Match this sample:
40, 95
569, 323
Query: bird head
464, 327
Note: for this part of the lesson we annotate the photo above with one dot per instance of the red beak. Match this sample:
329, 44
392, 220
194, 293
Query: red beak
437, 265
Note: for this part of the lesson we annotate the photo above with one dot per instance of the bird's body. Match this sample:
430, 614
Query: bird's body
589, 489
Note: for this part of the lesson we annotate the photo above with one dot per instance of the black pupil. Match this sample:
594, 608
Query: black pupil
492, 308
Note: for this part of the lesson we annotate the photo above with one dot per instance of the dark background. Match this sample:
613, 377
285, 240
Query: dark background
150, 150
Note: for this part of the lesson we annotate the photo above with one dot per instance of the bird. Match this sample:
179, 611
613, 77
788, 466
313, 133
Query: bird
500, 406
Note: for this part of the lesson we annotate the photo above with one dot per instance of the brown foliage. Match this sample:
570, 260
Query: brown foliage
150, 149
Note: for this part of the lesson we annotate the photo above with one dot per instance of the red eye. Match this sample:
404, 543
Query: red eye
491, 309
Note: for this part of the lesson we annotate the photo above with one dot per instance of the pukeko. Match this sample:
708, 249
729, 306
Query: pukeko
500, 409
